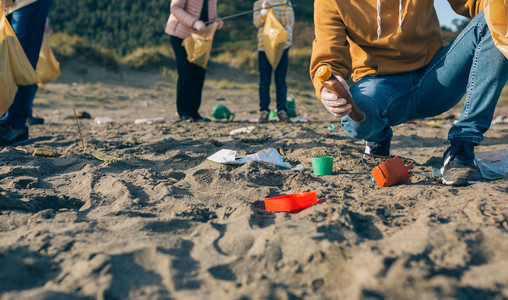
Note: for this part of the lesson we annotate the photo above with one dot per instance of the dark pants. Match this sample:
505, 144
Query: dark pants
265, 78
190, 81
28, 24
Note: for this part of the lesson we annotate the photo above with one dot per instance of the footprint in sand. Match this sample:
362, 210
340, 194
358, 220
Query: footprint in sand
205, 177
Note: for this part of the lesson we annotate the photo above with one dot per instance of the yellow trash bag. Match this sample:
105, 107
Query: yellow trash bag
48, 68
15, 69
274, 39
496, 15
199, 45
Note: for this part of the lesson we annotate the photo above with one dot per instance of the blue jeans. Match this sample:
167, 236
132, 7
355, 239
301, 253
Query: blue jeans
28, 24
265, 79
471, 65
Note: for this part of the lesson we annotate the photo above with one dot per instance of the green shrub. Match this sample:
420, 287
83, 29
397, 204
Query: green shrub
65, 47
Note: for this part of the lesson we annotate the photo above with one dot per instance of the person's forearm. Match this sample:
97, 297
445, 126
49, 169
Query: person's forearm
178, 10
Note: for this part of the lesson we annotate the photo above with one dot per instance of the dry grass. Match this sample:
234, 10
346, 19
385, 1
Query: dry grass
240, 59
150, 58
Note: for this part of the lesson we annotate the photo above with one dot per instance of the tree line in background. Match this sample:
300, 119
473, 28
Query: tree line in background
124, 25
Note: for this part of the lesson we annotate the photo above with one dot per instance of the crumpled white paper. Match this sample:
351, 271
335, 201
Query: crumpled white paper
272, 156
493, 164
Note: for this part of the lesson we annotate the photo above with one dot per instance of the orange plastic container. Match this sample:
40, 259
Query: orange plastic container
292, 202
391, 172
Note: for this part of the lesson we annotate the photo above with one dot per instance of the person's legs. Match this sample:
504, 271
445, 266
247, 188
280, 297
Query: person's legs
265, 78
470, 65
184, 88
198, 82
280, 81
28, 24
386, 101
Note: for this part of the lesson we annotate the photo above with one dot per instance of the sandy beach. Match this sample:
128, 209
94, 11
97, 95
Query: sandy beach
140, 213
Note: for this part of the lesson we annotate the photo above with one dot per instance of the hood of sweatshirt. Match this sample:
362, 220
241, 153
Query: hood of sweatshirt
379, 22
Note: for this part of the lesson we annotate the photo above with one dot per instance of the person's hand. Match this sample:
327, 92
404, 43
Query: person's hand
7, 3
199, 26
220, 24
264, 10
336, 105
48, 30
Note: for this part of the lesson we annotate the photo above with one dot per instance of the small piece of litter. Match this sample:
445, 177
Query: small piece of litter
300, 119
102, 156
436, 173
242, 130
103, 120
435, 123
500, 120
271, 155
45, 152
150, 121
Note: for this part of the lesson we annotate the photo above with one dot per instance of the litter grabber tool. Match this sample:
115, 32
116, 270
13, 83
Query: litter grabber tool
391, 172
247, 12
334, 86
292, 202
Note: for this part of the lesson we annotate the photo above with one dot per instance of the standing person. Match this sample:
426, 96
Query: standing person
188, 15
28, 23
285, 15
394, 52
32, 120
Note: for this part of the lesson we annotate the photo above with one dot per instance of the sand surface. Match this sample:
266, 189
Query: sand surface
163, 222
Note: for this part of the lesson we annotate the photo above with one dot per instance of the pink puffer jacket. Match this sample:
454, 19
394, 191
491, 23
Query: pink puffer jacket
183, 15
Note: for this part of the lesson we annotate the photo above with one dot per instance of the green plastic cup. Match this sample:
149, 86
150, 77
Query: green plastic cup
322, 165
290, 107
220, 112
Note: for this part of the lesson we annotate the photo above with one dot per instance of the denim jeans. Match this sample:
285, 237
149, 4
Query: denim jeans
28, 24
471, 65
265, 79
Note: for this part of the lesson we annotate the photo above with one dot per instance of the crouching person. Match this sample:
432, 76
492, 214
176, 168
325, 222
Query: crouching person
403, 71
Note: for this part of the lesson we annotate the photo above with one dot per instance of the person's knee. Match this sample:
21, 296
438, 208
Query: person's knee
264, 86
280, 82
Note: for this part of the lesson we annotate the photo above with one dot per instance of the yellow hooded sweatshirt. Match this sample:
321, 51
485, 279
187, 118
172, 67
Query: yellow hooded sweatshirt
358, 38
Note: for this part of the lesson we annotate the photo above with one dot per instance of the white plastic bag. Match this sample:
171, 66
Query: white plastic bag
493, 164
